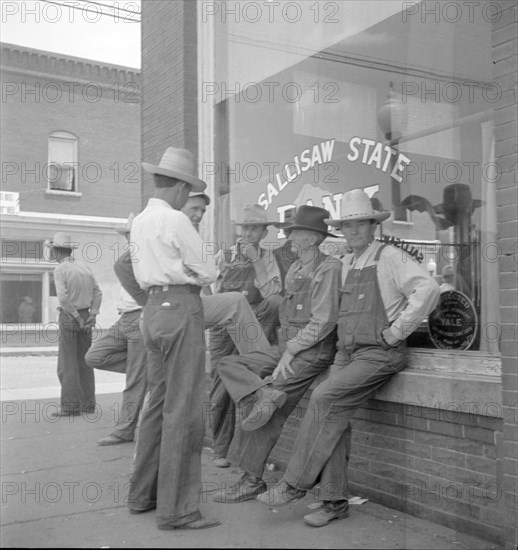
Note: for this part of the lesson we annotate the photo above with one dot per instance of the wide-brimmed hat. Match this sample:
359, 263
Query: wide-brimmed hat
311, 218
254, 214
63, 240
289, 217
179, 164
356, 206
127, 228
193, 195
457, 200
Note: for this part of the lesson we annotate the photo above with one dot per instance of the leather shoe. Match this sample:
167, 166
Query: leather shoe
247, 488
220, 462
268, 400
112, 440
61, 413
330, 510
202, 523
137, 511
281, 494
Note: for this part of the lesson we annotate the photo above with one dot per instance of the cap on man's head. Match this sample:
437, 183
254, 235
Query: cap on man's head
178, 164
254, 214
289, 216
448, 271
194, 194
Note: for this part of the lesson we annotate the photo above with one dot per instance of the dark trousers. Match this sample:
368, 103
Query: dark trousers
122, 350
242, 376
75, 376
222, 417
167, 466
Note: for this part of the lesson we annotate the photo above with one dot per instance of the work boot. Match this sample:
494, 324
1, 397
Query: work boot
332, 509
268, 401
281, 494
247, 488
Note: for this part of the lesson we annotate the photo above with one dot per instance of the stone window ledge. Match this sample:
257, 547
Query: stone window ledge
468, 382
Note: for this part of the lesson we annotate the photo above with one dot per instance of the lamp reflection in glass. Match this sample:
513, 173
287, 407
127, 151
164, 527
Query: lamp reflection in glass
392, 119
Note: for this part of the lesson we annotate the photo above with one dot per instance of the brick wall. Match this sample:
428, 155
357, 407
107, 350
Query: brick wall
99, 104
169, 81
432, 463
505, 47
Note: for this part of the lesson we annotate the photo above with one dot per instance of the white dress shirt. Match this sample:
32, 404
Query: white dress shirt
167, 250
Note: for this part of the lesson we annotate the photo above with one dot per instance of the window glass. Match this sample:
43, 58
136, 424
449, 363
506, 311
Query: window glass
388, 96
62, 165
21, 298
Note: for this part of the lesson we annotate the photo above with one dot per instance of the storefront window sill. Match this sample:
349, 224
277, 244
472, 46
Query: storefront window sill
468, 382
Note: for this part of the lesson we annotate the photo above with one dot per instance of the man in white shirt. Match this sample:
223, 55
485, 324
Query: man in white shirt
121, 349
169, 263
384, 297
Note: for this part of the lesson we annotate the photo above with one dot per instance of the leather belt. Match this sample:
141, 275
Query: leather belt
176, 289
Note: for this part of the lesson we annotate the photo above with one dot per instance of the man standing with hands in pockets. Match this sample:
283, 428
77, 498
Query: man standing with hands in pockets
169, 264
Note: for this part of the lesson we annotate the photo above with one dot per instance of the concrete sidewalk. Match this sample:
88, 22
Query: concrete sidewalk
61, 490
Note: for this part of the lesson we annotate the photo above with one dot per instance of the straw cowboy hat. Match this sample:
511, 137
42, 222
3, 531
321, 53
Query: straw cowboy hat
357, 206
127, 228
63, 240
179, 164
311, 218
202, 195
289, 216
254, 214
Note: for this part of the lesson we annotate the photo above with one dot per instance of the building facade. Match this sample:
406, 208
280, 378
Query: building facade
70, 152
290, 103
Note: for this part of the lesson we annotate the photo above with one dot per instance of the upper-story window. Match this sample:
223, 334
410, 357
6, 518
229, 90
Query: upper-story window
62, 165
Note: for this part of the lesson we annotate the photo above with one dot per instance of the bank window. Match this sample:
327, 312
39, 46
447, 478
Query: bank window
62, 162
376, 103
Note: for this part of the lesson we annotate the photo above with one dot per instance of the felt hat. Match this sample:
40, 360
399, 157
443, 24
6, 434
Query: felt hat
254, 214
357, 206
457, 201
194, 194
179, 164
63, 240
127, 228
311, 218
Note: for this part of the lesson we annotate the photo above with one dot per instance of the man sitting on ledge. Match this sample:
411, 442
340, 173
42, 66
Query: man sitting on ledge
385, 295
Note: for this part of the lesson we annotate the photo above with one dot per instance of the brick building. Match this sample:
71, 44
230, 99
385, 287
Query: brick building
286, 104
70, 153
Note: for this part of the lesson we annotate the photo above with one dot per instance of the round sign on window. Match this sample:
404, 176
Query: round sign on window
453, 323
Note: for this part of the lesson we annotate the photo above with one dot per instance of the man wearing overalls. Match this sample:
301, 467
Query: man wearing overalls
384, 297
252, 270
308, 343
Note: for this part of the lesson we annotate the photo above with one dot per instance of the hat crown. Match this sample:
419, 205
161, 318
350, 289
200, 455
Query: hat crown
63, 240
177, 160
254, 213
311, 218
357, 204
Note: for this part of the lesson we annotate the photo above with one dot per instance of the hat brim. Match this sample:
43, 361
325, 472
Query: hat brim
310, 228
195, 183
439, 208
255, 223
60, 245
377, 217
201, 195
